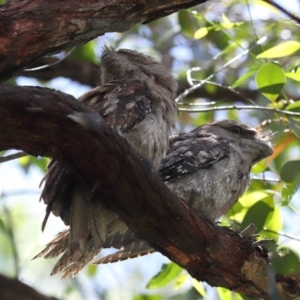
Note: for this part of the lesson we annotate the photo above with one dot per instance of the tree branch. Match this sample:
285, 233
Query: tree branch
132, 189
31, 29
11, 289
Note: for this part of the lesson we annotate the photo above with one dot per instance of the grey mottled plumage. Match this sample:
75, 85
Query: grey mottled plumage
136, 98
208, 167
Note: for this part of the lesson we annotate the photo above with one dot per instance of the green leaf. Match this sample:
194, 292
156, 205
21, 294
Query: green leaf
259, 167
227, 23
187, 22
167, 274
288, 191
2, 226
226, 294
201, 32
290, 170
287, 263
257, 215
237, 212
294, 75
27, 161
294, 126
246, 76
273, 223
270, 79
92, 270
180, 280
85, 52
249, 199
199, 287
281, 50
295, 107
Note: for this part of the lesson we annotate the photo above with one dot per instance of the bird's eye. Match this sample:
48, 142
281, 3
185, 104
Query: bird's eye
236, 130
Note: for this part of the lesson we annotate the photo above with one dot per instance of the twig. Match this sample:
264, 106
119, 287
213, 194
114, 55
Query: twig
268, 179
50, 65
282, 9
245, 98
238, 107
294, 210
12, 156
202, 82
281, 233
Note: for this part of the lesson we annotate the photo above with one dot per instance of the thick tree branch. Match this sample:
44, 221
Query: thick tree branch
31, 29
38, 121
12, 289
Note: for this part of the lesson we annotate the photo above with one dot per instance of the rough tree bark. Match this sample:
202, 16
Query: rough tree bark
32, 28
11, 289
209, 253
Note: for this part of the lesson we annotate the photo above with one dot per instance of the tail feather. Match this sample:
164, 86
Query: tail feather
120, 239
97, 223
92, 226
57, 246
135, 249
79, 229
85, 257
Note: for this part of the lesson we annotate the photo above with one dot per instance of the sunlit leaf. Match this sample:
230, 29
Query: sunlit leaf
250, 72
281, 50
249, 199
27, 161
266, 5
260, 167
199, 287
274, 223
226, 22
295, 107
236, 213
201, 32
290, 170
85, 52
167, 274
270, 79
288, 191
92, 270
294, 75
180, 280
226, 294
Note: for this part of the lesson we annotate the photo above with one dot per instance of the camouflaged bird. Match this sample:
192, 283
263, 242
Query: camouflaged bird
209, 168
136, 98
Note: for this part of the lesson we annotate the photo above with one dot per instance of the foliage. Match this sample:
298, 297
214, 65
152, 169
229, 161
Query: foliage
207, 37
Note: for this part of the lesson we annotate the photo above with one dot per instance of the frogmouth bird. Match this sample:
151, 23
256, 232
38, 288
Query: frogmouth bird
209, 168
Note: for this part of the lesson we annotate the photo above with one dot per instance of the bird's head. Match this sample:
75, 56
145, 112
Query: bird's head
247, 140
123, 65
